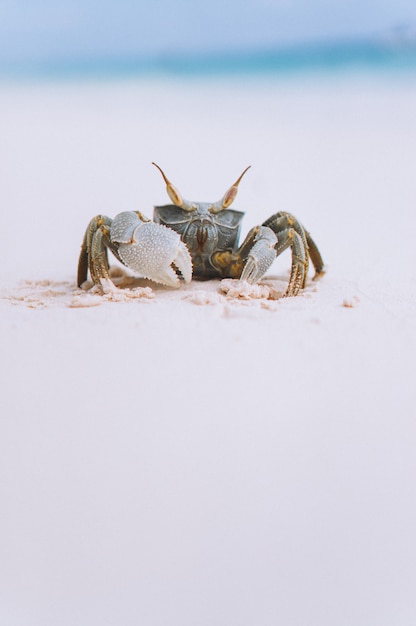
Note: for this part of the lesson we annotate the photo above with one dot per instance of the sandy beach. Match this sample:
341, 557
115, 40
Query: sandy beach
200, 457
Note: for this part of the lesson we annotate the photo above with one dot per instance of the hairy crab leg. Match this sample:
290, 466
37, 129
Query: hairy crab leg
315, 256
263, 244
290, 238
93, 254
283, 221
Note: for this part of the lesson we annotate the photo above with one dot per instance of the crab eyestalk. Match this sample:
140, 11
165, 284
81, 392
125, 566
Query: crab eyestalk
229, 195
174, 194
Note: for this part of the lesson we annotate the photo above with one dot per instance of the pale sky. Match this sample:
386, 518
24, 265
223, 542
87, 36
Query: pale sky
65, 29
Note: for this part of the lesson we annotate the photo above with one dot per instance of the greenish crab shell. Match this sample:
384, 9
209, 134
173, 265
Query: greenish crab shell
196, 239
204, 232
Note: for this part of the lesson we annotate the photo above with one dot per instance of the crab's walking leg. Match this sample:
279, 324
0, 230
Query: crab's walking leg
315, 256
82, 273
263, 244
93, 255
290, 233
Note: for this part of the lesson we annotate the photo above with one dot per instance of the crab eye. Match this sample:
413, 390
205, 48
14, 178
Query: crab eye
174, 194
229, 195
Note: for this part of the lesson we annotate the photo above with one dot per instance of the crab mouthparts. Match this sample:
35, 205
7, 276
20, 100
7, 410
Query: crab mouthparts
201, 237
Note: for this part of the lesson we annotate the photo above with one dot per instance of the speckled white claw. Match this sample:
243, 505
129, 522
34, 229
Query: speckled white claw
261, 256
154, 252
124, 224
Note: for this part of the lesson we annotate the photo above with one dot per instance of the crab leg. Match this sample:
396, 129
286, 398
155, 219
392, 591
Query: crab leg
283, 221
263, 244
290, 238
93, 255
315, 256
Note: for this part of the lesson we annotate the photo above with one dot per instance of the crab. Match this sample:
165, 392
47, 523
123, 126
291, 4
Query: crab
196, 239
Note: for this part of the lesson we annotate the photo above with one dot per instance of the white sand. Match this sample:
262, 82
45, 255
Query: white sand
191, 457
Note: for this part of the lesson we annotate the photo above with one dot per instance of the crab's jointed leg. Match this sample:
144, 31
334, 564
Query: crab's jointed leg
93, 255
261, 247
291, 233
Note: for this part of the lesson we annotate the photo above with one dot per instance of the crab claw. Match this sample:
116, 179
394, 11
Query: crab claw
152, 250
261, 255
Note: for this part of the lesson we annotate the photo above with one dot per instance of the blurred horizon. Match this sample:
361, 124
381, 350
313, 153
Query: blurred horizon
47, 37
373, 55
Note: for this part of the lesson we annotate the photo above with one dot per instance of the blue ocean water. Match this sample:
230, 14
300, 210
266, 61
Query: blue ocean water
337, 57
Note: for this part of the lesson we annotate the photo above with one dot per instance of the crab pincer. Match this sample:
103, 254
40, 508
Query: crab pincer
261, 254
199, 239
151, 250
